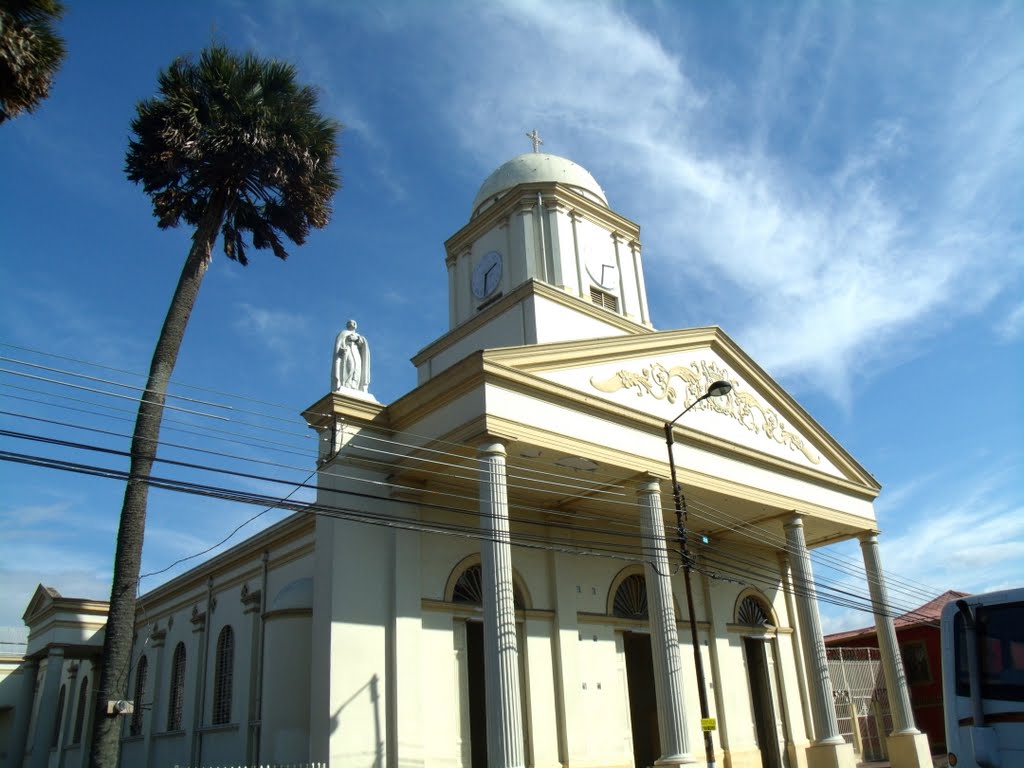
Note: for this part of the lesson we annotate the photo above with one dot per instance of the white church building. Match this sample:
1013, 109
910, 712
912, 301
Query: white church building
491, 573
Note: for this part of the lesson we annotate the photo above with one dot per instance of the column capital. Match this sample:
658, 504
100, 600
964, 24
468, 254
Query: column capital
648, 484
796, 520
868, 537
492, 446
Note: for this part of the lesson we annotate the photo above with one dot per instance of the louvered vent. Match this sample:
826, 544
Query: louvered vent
603, 299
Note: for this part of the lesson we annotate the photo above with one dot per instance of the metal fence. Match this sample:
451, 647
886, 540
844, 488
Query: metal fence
860, 699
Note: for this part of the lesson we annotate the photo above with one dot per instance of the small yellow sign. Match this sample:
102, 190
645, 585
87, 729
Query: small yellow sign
708, 724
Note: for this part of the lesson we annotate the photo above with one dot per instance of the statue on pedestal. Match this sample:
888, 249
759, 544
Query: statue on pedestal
351, 370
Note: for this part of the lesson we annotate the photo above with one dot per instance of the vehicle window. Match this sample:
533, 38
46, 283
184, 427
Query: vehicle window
1001, 647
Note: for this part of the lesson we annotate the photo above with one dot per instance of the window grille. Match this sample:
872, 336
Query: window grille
60, 715
604, 299
223, 675
631, 598
83, 704
469, 589
177, 693
141, 670
753, 613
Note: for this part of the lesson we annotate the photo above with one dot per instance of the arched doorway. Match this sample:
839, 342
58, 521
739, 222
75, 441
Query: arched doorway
629, 601
753, 613
465, 587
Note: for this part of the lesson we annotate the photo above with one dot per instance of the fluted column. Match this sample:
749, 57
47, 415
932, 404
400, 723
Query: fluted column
823, 713
908, 747
892, 664
668, 668
501, 654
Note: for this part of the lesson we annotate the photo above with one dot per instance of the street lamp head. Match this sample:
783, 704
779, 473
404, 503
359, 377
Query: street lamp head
719, 389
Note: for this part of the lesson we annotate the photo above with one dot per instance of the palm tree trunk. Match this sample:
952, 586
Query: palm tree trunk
117, 643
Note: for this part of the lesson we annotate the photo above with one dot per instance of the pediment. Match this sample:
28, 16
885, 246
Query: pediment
42, 600
663, 373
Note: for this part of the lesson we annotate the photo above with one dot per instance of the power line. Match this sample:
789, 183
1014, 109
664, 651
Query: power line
373, 517
594, 491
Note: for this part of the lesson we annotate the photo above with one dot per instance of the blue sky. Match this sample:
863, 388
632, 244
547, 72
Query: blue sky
838, 185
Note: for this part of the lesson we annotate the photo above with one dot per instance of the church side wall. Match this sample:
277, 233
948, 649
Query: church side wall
194, 613
367, 675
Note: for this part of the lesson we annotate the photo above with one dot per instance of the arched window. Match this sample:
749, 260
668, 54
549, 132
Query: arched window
631, 598
83, 705
141, 670
223, 676
753, 612
177, 693
469, 589
60, 716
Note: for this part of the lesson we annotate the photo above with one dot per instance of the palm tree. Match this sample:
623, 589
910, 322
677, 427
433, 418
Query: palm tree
30, 53
233, 146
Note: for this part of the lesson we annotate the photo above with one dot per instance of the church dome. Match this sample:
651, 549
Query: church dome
535, 167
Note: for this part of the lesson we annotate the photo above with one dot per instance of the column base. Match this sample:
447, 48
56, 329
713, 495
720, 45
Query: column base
831, 756
683, 759
909, 750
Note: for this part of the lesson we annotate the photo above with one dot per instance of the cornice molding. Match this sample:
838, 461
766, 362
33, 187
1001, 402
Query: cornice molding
334, 404
239, 564
519, 295
526, 383
525, 195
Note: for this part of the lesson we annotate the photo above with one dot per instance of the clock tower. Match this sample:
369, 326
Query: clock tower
542, 259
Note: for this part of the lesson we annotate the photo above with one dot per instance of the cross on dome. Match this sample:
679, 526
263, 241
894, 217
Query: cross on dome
536, 139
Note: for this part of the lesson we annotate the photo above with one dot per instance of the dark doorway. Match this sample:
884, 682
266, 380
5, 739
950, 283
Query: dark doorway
761, 697
643, 704
477, 694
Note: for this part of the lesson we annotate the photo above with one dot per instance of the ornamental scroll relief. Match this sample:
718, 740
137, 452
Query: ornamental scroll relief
656, 380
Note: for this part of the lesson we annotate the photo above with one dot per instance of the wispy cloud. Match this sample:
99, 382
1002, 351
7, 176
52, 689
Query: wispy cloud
816, 266
1011, 326
61, 321
956, 536
274, 329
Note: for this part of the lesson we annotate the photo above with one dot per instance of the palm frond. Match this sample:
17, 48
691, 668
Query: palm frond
242, 126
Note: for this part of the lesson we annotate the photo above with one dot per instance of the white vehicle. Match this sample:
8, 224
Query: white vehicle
983, 680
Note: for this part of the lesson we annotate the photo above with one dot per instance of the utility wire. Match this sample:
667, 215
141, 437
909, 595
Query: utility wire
571, 545
582, 489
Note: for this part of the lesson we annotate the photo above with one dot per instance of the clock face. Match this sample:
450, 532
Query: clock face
487, 275
603, 271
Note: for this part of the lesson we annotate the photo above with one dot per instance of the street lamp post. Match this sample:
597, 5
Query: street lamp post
717, 389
